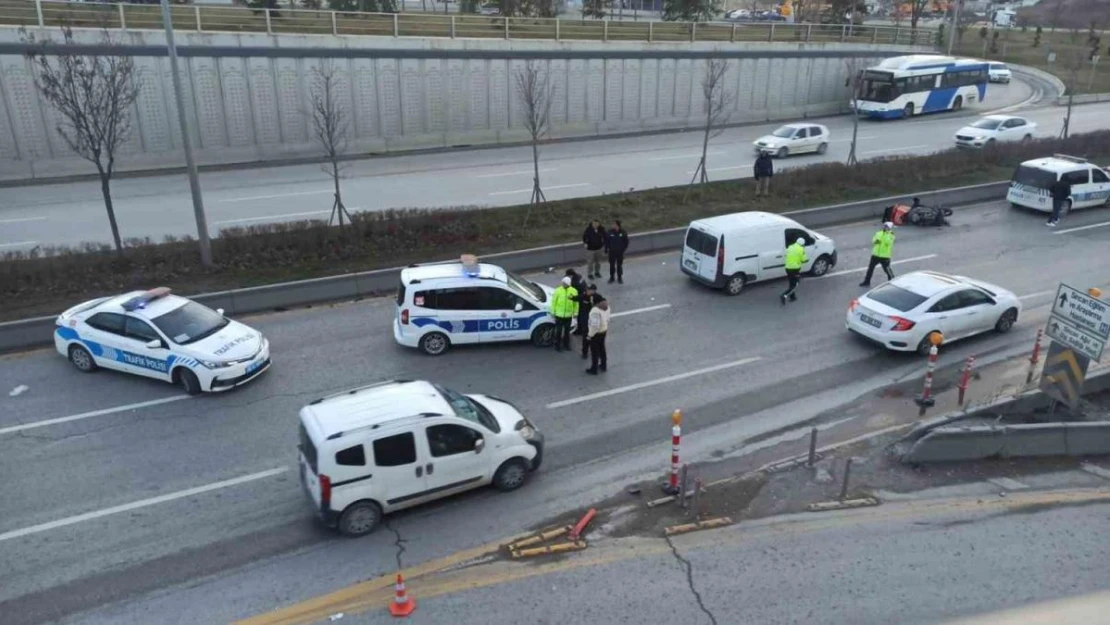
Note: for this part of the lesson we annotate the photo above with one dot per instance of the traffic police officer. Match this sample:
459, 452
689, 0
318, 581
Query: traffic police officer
795, 260
564, 306
882, 248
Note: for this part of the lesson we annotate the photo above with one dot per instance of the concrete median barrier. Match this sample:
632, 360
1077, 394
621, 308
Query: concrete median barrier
37, 332
1039, 440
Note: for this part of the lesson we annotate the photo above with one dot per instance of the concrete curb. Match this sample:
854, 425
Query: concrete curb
37, 332
1087, 98
1040, 75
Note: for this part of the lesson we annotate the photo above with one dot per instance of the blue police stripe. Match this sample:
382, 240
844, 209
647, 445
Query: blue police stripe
497, 324
138, 360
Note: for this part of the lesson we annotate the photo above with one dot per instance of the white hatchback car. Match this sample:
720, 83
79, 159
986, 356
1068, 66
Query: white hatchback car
995, 129
901, 314
794, 139
999, 72
162, 336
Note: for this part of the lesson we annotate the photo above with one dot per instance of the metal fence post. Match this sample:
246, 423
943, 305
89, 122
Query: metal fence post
812, 448
874, 34
732, 38
605, 30
396, 26
771, 33
196, 16
557, 37
847, 475
809, 32
843, 32
896, 34
122, 19
506, 28
269, 25
334, 24
693, 32
38, 10
650, 31
452, 26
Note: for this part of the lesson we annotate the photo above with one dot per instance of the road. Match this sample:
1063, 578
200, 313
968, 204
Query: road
130, 492
161, 205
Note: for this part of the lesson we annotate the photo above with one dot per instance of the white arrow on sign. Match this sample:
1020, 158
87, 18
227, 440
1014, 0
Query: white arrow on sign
1087, 313
1061, 330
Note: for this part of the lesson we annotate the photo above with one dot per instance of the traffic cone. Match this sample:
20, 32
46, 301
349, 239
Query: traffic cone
403, 604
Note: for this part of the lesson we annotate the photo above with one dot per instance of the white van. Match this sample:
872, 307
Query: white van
1031, 184
730, 251
393, 445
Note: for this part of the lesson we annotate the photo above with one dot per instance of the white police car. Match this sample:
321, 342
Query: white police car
463, 302
162, 336
1032, 183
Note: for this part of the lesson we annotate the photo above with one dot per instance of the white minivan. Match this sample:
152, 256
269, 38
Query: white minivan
730, 251
393, 445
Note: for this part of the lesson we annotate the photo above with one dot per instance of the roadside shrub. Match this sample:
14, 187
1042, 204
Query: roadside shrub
46, 280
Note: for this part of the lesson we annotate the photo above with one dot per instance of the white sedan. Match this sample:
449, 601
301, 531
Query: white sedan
901, 314
794, 139
162, 336
999, 72
992, 128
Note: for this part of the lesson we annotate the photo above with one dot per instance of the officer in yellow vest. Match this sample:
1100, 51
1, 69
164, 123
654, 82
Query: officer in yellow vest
564, 307
882, 248
795, 260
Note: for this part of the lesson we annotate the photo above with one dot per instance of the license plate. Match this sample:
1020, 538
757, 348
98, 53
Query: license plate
690, 264
871, 322
254, 366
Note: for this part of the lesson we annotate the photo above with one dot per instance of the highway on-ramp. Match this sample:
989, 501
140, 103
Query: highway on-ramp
117, 486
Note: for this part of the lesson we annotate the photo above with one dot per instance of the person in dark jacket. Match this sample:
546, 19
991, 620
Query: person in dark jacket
616, 243
1061, 191
764, 168
586, 301
594, 240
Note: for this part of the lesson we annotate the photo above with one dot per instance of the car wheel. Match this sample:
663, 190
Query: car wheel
734, 284
1006, 321
359, 519
782, 153
82, 359
990, 143
543, 335
820, 266
908, 111
434, 343
824, 147
958, 103
510, 475
188, 381
925, 345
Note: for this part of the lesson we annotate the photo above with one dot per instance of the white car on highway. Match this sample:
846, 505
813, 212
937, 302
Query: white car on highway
901, 314
999, 72
794, 139
995, 129
162, 336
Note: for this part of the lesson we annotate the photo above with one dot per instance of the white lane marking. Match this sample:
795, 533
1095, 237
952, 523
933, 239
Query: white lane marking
1094, 469
636, 311
18, 243
862, 269
901, 149
685, 156
1037, 294
640, 385
1007, 483
21, 220
1065, 231
265, 217
547, 188
515, 173
278, 195
88, 415
19, 390
142, 503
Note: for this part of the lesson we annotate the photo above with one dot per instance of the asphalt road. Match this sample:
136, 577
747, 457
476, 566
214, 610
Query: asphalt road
132, 495
70, 213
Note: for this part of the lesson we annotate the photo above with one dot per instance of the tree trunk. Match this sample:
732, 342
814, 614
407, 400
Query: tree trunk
106, 191
535, 170
705, 143
855, 132
338, 199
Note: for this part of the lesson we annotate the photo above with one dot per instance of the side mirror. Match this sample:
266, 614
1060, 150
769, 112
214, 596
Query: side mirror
479, 445
519, 307
154, 344
220, 312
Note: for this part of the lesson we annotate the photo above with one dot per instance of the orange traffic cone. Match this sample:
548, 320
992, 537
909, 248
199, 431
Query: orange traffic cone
403, 604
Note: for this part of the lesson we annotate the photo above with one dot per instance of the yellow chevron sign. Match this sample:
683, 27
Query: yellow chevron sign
1063, 374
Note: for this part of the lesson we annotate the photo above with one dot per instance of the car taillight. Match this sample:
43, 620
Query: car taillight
901, 325
853, 305
405, 317
325, 492
721, 258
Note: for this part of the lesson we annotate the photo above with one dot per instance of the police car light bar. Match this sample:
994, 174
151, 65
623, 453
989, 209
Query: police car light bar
1074, 159
470, 265
140, 301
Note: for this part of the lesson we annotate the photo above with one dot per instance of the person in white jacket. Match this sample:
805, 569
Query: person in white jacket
598, 328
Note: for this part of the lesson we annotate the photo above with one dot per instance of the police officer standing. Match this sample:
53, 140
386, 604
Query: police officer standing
616, 243
1060, 190
882, 248
795, 260
585, 305
564, 306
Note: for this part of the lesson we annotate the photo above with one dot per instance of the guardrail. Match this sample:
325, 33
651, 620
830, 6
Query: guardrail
28, 333
208, 18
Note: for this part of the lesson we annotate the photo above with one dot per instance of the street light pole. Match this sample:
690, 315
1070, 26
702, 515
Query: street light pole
955, 26
186, 142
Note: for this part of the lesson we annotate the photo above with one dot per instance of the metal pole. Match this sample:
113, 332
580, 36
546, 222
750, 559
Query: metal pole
697, 499
683, 484
847, 475
955, 23
965, 378
186, 141
812, 447
122, 19
335, 25
38, 10
1035, 357
269, 26
926, 400
196, 14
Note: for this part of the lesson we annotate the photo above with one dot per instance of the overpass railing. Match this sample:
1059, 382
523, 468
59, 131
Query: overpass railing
234, 19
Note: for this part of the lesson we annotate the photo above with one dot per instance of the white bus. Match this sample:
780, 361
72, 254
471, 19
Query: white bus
905, 86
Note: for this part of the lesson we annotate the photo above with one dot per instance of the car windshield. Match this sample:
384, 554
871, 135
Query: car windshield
998, 66
896, 297
521, 285
190, 323
784, 133
466, 408
1033, 177
987, 124
876, 90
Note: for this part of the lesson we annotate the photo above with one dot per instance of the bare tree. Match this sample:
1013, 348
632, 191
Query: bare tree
917, 9
94, 95
330, 121
1072, 61
854, 83
533, 86
717, 104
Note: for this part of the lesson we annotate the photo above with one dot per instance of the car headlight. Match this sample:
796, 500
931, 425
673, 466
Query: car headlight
526, 429
211, 364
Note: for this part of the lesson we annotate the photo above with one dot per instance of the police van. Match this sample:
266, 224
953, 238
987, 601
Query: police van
457, 303
1032, 182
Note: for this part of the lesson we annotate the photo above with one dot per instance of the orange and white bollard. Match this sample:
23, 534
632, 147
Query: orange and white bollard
1035, 357
965, 377
403, 604
672, 488
926, 401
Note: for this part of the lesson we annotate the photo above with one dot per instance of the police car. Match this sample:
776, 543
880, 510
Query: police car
457, 303
1032, 181
162, 336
